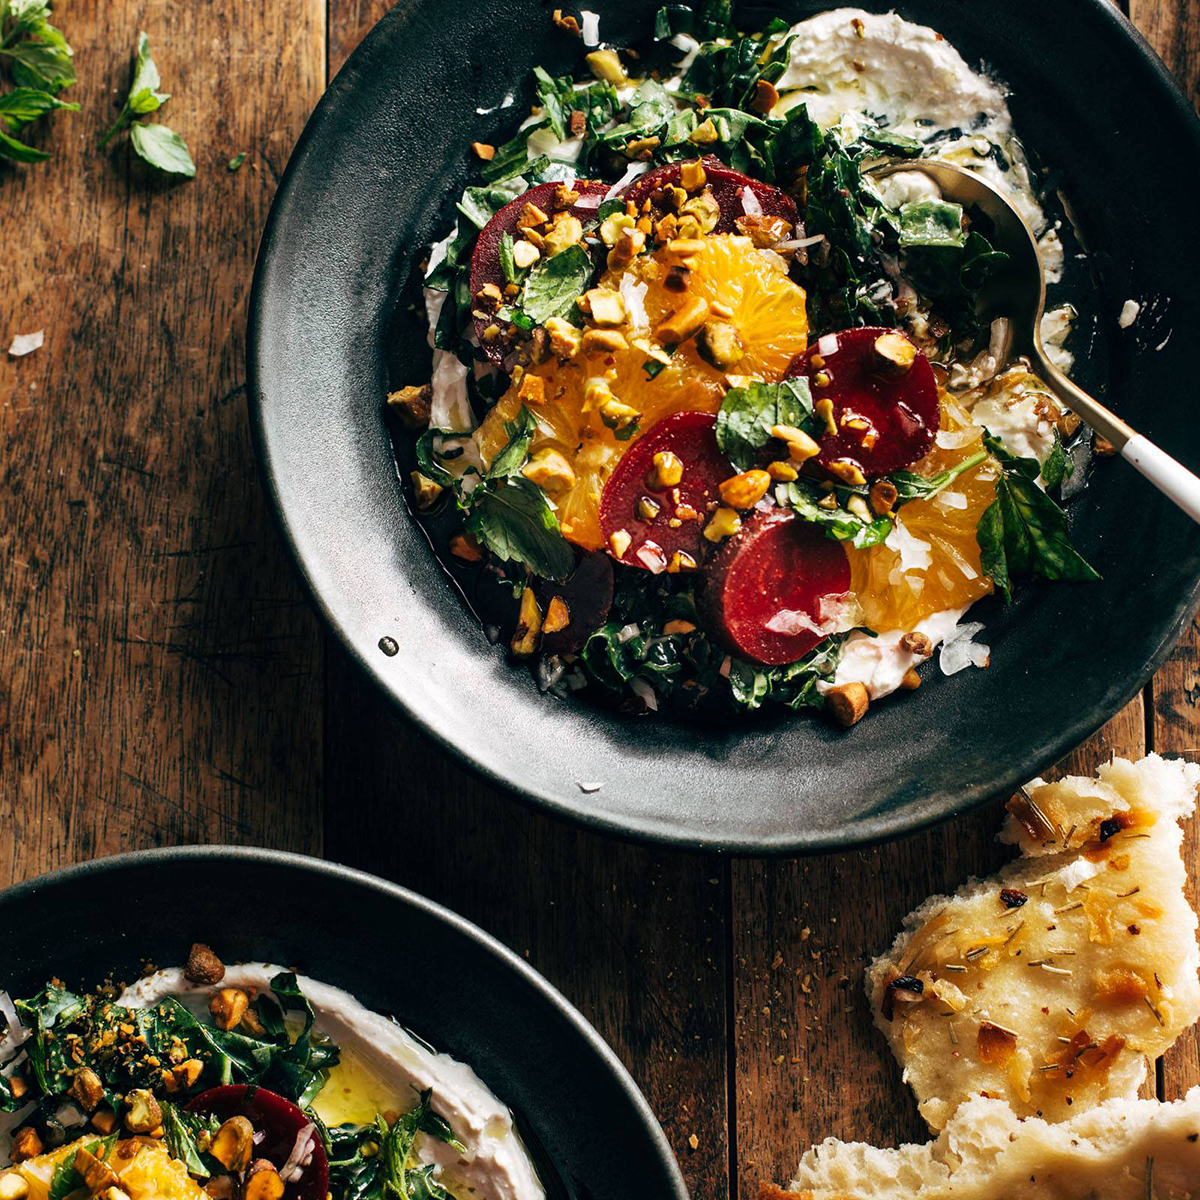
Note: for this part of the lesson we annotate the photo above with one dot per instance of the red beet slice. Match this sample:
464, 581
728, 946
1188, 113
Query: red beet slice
588, 595
901, 410
485, 258
279, 1121
763, 585
629, 496
726, 185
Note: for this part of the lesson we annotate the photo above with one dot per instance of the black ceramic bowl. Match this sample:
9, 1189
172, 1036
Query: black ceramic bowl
440, 976
373, 180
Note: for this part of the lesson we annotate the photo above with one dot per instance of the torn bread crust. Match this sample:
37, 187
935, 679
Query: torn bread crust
1049, 985
1122, 1150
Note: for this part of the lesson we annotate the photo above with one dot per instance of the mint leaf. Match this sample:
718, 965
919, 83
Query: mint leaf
158, 145
554, 284
25, 104
1023, 532
480, 204
19, 151
513, 519
748, 415
1058, 465
557, 97
44, 64
180, 1130
27, 15
144, 96
520, 434
911, 486
163, 148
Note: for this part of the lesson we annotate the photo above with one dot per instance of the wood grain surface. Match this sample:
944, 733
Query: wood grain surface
163, 681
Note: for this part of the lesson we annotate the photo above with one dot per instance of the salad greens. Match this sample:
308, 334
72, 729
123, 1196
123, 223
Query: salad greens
502, 509
859, 253
85, 1054
41, 64
744, 423
633, 651
371, 1162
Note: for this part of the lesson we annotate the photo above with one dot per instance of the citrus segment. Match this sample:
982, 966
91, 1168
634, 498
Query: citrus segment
930, 562
765, 308
144, 1169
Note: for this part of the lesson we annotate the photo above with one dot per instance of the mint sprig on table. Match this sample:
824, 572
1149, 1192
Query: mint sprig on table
156, 144
40, 64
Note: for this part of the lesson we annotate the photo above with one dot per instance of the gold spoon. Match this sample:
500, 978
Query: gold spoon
1018, 292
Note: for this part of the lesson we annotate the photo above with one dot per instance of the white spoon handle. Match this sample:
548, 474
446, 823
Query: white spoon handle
1171, 478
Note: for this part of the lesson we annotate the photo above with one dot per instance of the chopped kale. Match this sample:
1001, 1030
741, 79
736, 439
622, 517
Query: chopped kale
794, 685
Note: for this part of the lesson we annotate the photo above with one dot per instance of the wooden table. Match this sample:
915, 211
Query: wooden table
163, 680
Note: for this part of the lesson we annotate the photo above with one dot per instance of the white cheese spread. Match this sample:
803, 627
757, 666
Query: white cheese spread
495, 1163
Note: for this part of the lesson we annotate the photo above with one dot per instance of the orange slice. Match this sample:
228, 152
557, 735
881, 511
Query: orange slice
940, 537
767, 310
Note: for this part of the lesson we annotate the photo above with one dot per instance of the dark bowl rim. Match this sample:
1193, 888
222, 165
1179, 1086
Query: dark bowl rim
249, 856
868, 832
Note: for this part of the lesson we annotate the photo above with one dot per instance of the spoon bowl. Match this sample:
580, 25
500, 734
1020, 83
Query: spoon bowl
1016, 292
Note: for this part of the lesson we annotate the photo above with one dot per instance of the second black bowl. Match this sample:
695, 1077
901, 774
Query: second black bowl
583, 1118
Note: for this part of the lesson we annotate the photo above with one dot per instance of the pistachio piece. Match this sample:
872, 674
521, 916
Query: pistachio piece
228, 1006
719, 344
144, 1113
233, 1144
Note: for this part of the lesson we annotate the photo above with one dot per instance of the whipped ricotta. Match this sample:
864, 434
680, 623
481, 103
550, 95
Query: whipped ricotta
495, 1164
881, 662
848, 61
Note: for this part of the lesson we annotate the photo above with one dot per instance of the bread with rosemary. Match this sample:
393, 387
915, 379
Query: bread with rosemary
1049, 985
